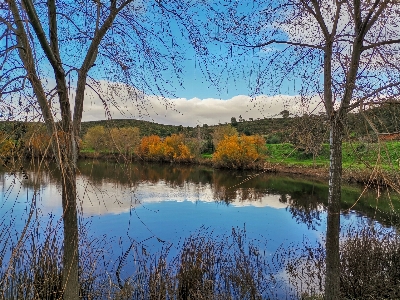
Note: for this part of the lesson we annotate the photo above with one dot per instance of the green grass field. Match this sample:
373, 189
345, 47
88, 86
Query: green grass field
357, 155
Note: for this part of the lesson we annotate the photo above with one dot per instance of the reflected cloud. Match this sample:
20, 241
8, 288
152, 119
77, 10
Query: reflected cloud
111, 199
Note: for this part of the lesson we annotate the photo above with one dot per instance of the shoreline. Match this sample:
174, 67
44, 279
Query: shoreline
350, 175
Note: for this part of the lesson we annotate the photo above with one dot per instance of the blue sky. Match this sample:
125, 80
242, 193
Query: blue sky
149, 54
210, 89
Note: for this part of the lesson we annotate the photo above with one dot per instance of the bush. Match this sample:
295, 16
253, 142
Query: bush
124, 140
37, 140
7, 146
274, 139
173, 148
97, 138
239, 152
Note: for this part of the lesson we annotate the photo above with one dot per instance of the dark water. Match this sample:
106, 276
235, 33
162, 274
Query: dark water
156, 205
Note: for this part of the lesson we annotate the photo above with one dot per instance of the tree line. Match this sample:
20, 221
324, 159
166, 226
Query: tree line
231, 149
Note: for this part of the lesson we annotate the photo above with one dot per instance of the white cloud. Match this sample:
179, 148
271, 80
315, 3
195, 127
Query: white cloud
125, 102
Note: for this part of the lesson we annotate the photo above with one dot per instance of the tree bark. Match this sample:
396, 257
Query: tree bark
332, 280
71, 254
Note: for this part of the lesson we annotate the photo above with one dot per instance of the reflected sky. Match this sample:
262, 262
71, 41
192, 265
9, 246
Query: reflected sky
157, 205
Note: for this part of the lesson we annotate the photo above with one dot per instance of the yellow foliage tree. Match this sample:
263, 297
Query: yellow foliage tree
178, 150
239, 152
97, 138
148, 147
172, 148
124, 140
7, 146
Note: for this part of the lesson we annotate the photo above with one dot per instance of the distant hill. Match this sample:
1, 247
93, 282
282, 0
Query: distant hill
146, 128
385, 118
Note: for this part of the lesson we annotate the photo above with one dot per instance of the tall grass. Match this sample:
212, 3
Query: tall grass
206, 266
369, 263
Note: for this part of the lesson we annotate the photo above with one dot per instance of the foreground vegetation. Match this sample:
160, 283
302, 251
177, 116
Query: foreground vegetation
206, 266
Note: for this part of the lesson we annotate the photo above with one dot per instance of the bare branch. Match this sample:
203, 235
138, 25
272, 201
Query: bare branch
374, 45
270, 43
9, 26
89, 60
51, 4
369, 22
336, 19
374, 93
318, 16
37, 27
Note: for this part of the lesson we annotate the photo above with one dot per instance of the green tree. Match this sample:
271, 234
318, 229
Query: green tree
234, 123
284, 113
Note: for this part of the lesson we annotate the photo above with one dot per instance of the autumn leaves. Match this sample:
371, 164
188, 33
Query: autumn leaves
231, 150
240, 152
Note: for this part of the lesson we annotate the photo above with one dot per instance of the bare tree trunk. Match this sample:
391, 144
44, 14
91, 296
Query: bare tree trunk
71, 254
332, 281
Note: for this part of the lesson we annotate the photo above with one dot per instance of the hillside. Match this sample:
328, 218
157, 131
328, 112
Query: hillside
276, 130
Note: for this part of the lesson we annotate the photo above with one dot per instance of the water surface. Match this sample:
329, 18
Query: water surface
154, 205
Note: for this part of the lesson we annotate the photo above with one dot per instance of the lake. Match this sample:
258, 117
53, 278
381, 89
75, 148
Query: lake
156, 206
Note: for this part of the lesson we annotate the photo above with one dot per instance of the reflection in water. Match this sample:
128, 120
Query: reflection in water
156, 205
106, 187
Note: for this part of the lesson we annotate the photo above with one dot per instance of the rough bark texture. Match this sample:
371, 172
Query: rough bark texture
70, 258
332, 281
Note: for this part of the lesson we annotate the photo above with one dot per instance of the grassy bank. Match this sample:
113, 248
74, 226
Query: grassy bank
355, 154
362, 162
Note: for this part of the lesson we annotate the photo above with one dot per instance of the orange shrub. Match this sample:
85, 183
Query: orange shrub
148, 147
37, 140
178, 150
239, 152
172, 148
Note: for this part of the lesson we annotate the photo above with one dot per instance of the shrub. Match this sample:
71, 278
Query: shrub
172, 148
149, 147
97, 138
220, 132
124, 140
274, 139
36, 140
239, 152
7, 146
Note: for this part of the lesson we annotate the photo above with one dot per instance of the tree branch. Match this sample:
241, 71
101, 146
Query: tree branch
9, 26
318, 16
51, 4
28, 61
371, 21
37, 27
336, 19
375, 92
374, 45
89, 60
269, 43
